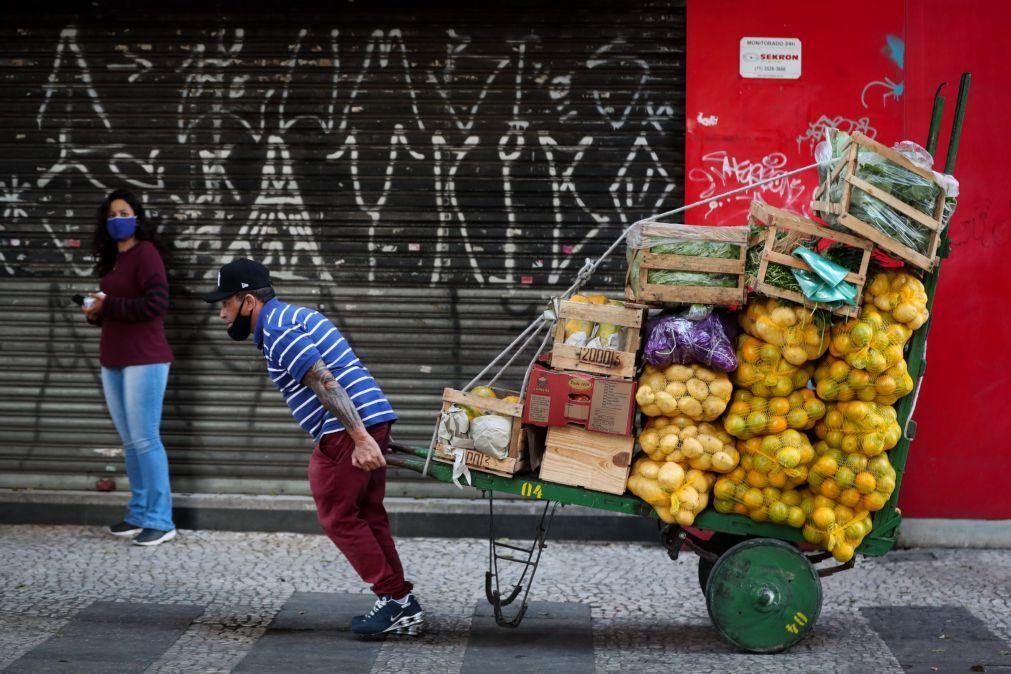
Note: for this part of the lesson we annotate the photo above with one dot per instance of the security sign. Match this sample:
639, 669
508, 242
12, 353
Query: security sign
775, 58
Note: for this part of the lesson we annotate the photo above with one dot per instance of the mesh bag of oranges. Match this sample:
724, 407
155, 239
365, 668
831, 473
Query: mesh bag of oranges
867, 428
692, 390
872, 342
749, 415
762, 369
779, 460
733, 494
835, 379
833, 526
852, 480
695, 444
901, 295
677, 495
799, 333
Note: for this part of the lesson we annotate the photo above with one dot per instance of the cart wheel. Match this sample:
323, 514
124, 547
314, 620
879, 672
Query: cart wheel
718, 543
763, 595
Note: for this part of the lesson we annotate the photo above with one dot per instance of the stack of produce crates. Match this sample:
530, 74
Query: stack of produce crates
583, 392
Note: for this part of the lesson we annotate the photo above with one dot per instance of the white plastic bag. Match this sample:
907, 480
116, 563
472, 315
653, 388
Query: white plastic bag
454, 425
490, 434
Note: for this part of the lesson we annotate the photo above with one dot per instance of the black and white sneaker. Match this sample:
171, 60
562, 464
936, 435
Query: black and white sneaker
124, 529
388, 616
154, 537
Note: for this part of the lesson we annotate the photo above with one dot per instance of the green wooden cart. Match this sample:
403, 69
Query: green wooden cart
762, 584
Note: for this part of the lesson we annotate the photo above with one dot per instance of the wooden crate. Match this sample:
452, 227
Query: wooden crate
845, 170
632, 318
655, 293
776, 220
517, 461
581, 458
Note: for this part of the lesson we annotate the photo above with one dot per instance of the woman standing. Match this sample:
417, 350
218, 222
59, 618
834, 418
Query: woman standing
135, 358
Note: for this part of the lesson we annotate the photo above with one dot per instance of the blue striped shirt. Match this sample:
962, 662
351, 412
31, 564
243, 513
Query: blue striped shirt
292, 339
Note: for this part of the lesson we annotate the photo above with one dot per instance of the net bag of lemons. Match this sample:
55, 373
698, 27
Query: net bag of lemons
693, 390
733, 494
865, 428
779, 460
836, 379
749, 415
694, 444
801, 334
677, 495
833, 526
852, 480
764, 371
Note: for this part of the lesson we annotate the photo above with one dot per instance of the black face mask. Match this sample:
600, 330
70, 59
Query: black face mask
242, 325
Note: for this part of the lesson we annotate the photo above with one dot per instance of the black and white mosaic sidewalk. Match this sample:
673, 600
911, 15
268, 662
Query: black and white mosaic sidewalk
75, 600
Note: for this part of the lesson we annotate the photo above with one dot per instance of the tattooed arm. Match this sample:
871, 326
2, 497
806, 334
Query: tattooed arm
366, 454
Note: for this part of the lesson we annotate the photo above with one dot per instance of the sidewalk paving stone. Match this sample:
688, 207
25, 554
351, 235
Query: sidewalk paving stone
646, 613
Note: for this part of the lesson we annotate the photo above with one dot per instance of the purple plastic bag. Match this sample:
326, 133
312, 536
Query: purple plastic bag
675, 339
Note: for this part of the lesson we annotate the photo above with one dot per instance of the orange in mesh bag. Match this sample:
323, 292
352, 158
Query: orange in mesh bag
763, 370
901, 295
801, 334
749, 415
780, 460
867, 428
695, 444
833, 526
853, 480
677, 495
835, 379
692, 390
733, 494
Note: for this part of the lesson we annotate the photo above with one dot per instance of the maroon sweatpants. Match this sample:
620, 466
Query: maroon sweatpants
349, 505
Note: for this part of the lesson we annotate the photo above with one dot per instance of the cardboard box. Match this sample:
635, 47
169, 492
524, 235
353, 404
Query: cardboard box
597, 461
596, 403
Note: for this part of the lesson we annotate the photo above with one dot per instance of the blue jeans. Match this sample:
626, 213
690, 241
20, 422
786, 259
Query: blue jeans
134, 396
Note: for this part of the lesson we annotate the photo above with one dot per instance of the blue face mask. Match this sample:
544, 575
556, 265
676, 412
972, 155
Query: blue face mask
121, 228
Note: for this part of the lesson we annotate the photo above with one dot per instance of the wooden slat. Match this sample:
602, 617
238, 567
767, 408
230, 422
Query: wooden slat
783, 219
888, 243
630, 316
691, 263
897, 204
733, 234
891, 155
566, 357
673, 294
486, 404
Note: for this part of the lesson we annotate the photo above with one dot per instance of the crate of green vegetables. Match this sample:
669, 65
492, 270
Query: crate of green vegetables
771, 259
878, 193
686, 264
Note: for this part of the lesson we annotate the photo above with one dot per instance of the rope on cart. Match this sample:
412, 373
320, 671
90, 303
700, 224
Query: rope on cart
585, 273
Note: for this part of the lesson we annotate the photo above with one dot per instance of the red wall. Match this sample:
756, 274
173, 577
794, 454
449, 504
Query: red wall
877, 72
960, 465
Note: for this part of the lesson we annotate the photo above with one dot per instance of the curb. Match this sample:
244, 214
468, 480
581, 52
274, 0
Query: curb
429, 517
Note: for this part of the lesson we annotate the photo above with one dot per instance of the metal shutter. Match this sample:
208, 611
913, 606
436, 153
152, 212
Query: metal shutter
425, 174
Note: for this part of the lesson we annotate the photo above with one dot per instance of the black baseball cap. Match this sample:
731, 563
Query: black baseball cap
239, 275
